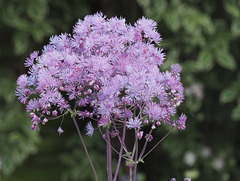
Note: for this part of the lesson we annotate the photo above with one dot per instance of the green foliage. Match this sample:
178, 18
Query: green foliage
226, 60
17, 141
32, 21
229, 94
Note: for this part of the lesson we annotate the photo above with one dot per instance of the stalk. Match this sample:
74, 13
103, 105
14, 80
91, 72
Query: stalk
120, 152
157, 143
145, 145
85, 148
109, 155
135, 157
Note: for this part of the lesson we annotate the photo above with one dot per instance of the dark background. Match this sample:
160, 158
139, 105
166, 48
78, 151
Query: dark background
203, 36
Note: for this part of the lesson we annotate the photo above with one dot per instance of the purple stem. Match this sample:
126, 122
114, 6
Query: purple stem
145, 145
136, 157
109, 155
120, 152
85, 148
157, 143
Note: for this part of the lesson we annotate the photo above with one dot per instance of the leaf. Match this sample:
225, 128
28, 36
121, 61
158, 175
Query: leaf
141, 161
21, 42
189, 66
235, 28
205, 60
193, 103
190, 22
129, 163
226, 60
236, 113
228, 95
172, 20
144, 3
207, 23
37, 10
232, 8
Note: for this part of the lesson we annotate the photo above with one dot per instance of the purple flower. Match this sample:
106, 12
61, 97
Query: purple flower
104, 121
148, 26
54, 112
181, 122
22, 81
45, 120
108, 65
89, 129
176, 68
134, 123
32, 105
30, 61
60, 130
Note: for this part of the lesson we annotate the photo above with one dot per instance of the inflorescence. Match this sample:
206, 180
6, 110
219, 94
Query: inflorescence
111, 68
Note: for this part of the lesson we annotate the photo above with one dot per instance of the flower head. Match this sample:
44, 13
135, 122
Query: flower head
89, 129
176, 68
107, 65
181, 122
134, 123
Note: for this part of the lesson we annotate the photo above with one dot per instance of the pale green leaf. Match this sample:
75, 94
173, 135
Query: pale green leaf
21, 42
228, 94
205, 60
189, 66
37, 9
232, 8
226, 60
236, 113
172, 20
235, 28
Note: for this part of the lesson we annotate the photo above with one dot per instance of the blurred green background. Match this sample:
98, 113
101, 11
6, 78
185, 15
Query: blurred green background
202, 35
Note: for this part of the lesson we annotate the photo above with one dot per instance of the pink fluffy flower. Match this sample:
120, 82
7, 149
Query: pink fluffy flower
106, 65
134, 123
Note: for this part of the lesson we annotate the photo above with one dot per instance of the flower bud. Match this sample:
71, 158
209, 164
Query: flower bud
89, 91
96, 87
158, 123
45, 120
60, 130
32, 115
33, 127
153, 127
140, 135
27, 92
54, 113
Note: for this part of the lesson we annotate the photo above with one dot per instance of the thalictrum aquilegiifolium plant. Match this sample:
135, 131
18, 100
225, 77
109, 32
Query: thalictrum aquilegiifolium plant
109, 72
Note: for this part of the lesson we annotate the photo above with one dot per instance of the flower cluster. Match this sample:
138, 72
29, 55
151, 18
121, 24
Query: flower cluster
109, 66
